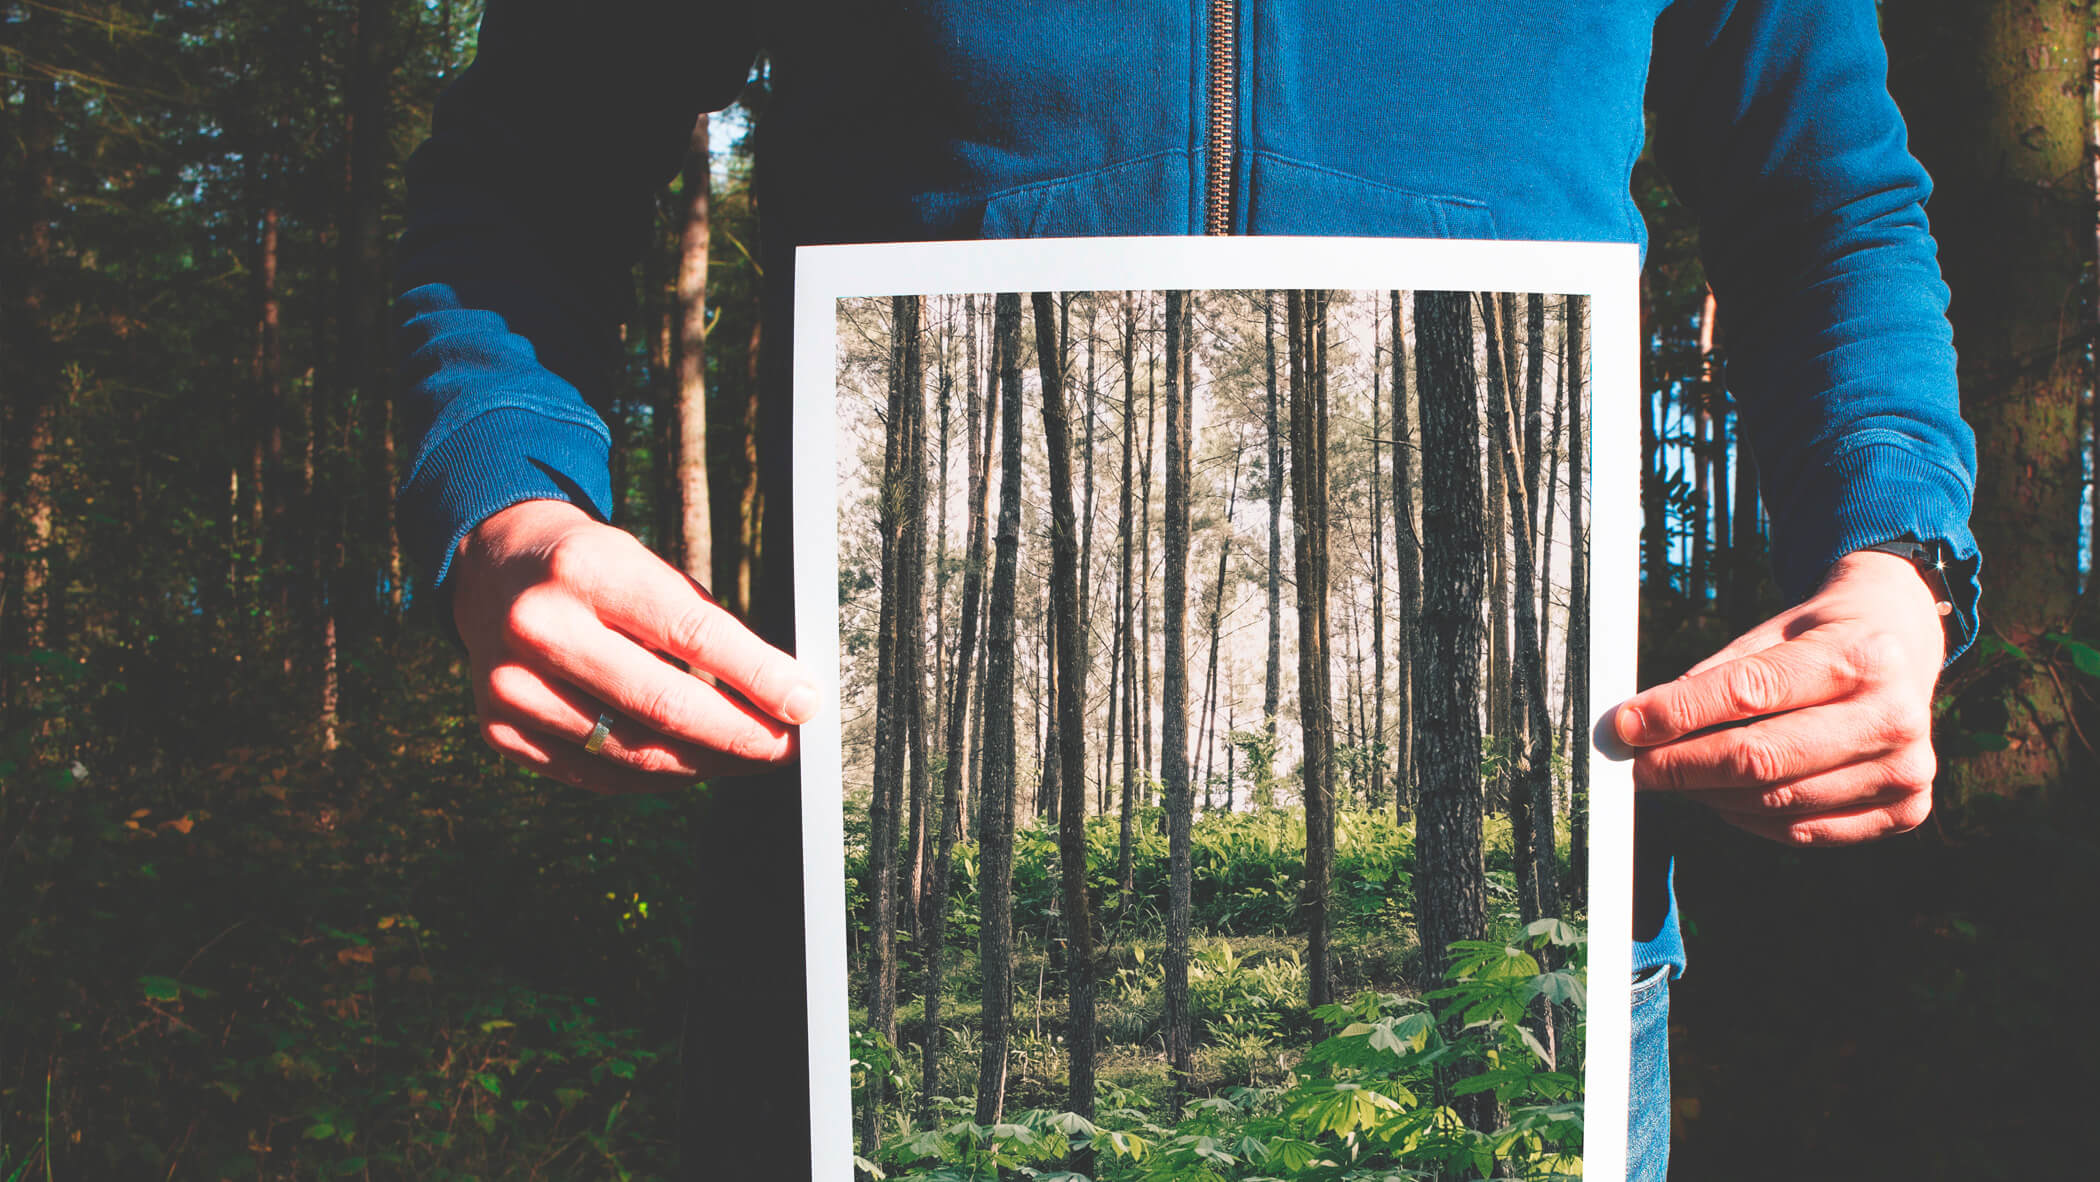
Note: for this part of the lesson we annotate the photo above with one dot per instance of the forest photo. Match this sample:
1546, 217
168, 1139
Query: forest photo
1214, 681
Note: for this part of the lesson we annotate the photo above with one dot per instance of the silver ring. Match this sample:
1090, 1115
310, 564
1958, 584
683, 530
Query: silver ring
596, 741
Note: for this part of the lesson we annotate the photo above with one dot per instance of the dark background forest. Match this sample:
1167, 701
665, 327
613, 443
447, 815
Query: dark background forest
270, 908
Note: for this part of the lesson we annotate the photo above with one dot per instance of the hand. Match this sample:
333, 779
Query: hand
1825, 713
565, 617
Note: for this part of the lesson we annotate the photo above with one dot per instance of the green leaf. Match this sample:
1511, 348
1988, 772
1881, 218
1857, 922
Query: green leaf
570, 1097
160, 988
320, 1132
487, 1121
2084, 656
490, 1082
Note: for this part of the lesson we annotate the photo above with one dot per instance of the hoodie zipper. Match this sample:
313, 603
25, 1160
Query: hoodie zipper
1217, 189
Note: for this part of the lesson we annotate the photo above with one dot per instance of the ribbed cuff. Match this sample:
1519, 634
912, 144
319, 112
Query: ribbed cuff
1879, 490
491, 462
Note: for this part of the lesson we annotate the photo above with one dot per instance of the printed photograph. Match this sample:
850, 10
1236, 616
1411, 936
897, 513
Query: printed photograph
1214, 693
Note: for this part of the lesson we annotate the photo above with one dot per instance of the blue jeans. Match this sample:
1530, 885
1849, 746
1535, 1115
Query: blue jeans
1648, 1105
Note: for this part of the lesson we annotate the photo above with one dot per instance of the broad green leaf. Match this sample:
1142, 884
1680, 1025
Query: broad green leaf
160, 988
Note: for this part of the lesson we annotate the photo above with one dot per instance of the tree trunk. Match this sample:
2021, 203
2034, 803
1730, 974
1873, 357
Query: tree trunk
1534, 781
996, 811
1150, 753
1995, 97
1449, 883
1407, 567
1375, 765
1550, 473
892, 726
1504, 522
1071, 710
956, 725
1173, 756
1125, 869
1217, 617
695, 533
911, 618
1305, 314
1272, 679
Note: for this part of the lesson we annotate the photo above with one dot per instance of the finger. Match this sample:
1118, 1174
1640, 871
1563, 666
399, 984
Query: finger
552, 757
1799, 673
520, 695
1870, 783
1758, 639
1845, 827
1772, 751
636, 683
665, 609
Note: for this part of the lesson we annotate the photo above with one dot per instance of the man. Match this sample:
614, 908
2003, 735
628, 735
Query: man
942, 119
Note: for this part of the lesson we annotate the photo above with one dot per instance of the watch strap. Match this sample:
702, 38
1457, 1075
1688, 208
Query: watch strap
1931, 561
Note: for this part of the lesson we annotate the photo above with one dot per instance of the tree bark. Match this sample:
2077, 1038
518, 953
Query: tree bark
996, 810
1306, 315
1407, 569
1071, 711
1995, 97
892, 726
695, 556
1534, 782
1217, 617
1125, 868
1173, 759
1449, 881
1375, 779
1505, 521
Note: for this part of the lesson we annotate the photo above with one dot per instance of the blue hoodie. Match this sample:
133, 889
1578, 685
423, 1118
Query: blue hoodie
941, 119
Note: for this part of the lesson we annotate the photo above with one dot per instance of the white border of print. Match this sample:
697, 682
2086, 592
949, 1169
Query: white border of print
1606, 272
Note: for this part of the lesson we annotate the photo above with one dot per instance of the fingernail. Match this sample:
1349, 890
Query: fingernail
801, 704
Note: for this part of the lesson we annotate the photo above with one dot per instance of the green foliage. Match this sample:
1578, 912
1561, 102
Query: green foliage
415, 960
1378, 1098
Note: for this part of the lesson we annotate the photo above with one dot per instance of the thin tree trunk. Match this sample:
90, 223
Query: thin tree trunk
1125, 869
957, 704
996, 831
911, 620
1375, 765
1306, 316
1150, 756
1217, 616
1071, 710
1535, 780
1086, 530
891, 726
1503, 522
1272, 679
1174, 764
694, 520
1407, 567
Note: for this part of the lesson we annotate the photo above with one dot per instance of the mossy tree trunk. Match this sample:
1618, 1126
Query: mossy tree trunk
1995, 96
